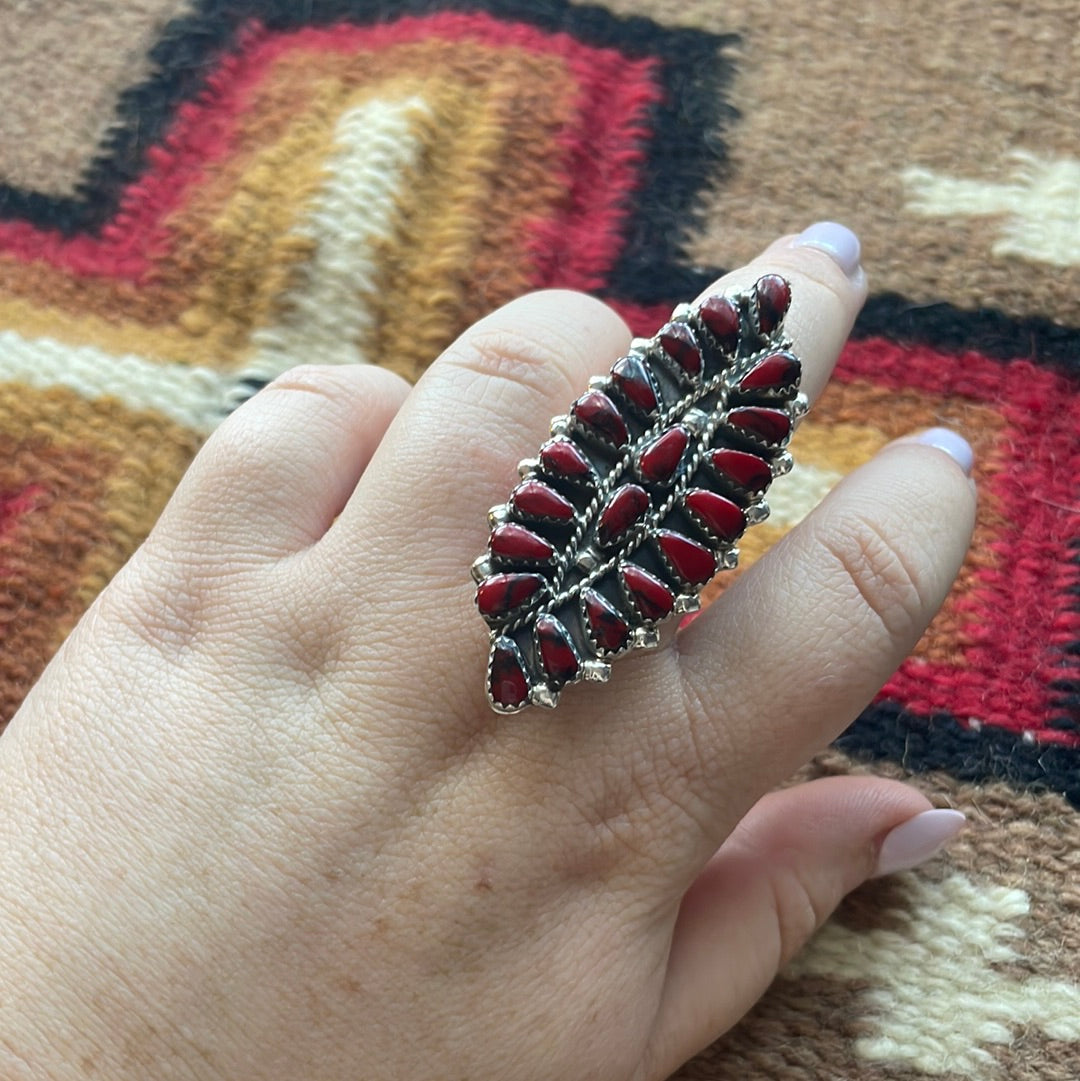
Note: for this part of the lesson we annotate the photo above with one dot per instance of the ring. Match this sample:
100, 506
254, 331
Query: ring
639, 497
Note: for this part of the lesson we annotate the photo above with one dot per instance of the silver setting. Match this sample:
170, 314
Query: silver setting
596, 671
782, 464
686, 604
696, 421
757, 512
542, 695
497, 640
701, 403
589, 559
645, 638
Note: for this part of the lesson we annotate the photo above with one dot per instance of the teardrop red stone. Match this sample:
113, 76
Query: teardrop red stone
630, 376
660, 459
778, 371
556, 652
535, 499
509, 684
768, 425
692, 562
721, 317
501, 594
653, 599
773, 298
622, 510
512, 541
680, 343
722, 518
598, 413
563, 458
609, 630
746, 471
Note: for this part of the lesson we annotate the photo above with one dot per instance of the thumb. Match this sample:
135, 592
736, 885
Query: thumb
772, 884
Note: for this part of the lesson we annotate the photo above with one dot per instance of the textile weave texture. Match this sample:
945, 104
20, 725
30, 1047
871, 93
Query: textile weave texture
196, 196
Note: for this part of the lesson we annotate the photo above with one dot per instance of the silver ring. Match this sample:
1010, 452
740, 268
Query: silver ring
640, 495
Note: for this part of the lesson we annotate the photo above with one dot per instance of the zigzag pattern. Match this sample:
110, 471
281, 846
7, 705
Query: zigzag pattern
288, 180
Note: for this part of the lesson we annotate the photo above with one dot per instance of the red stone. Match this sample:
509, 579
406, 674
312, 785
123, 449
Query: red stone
773, 297
509, 685
681, 344
689, 560
609, 630
651, 597
721, 317
535, 499
556, 651
746, 471
632, 379
502, 594
563, 458
622, 510
658, 462
778, 371
722, 518
512, 541
768, 425
598, 413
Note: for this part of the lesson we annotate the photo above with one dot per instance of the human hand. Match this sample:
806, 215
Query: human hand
259, 821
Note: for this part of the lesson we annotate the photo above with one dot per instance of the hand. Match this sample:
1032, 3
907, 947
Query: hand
259, 821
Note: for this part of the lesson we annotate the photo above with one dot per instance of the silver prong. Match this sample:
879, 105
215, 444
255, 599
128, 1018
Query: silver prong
560, 425
681, 311
640, 344
757, 512
598, 382
800, 405
646, 638
481, 568
542, 695
686, 604
730, 559
527, 466
596, 671
782, 464
695, 420
499, 515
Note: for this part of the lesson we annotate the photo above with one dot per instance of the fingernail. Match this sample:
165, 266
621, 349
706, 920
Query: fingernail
916, 840
834, 239
954, 445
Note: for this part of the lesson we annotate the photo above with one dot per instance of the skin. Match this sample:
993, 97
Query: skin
258, 821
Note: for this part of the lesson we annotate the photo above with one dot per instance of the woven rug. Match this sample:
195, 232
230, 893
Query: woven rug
195, 196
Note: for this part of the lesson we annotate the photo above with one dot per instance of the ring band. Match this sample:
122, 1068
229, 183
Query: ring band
639, 497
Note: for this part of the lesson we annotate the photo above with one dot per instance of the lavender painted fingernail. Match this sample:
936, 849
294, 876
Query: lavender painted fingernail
835, 240
916, 840
954, 445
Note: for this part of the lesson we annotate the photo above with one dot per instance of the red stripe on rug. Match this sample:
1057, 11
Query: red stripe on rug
1020, 615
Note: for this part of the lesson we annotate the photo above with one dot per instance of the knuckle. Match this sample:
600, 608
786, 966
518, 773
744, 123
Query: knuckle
516, 358
799, 913
323, 380
888, 579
